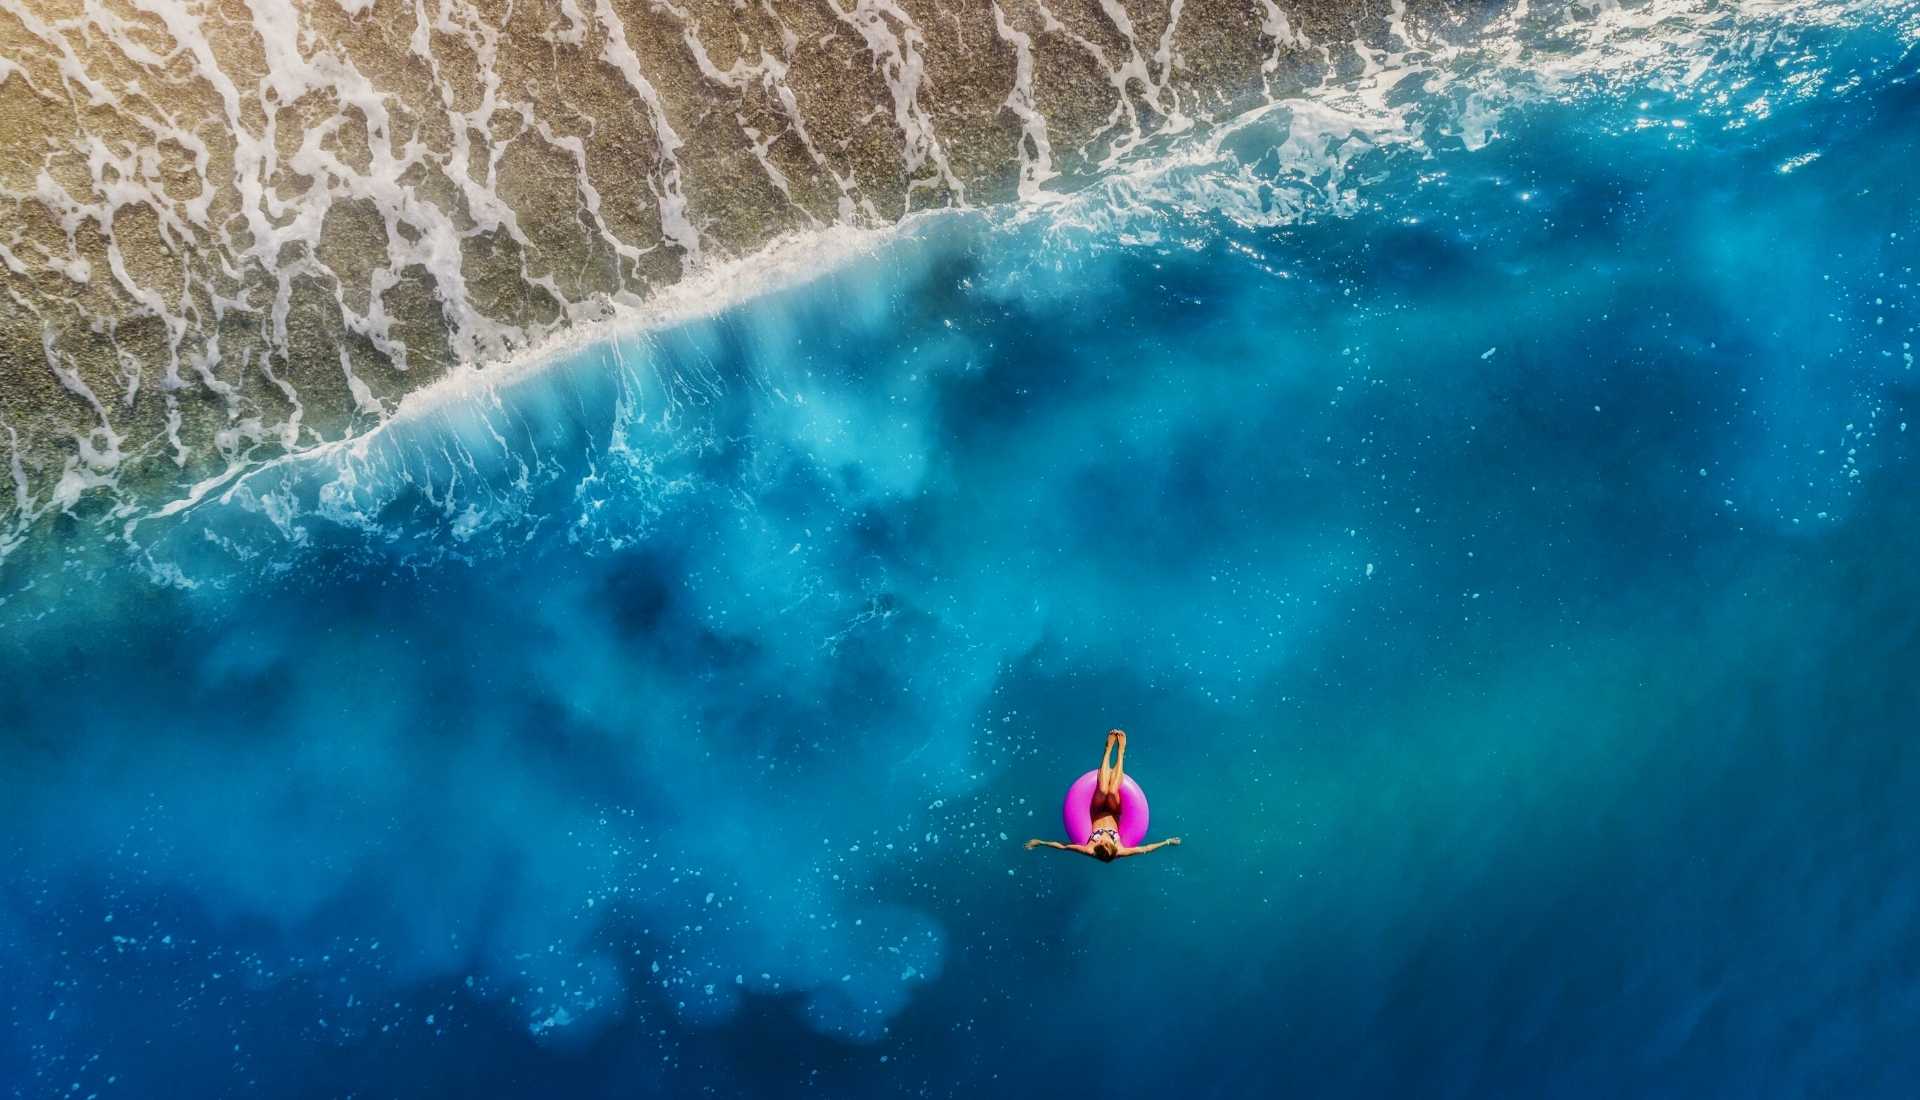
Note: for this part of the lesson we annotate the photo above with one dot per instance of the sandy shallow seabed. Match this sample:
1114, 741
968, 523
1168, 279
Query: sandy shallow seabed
234, 230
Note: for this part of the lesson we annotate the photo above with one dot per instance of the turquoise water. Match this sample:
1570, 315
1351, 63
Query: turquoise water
1500, 556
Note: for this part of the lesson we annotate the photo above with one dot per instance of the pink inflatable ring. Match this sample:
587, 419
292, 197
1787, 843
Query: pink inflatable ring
1076, 813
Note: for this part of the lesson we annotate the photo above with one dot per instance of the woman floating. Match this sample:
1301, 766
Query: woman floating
1106, 811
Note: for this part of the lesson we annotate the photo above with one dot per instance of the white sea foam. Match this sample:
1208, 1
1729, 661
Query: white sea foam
1290, 158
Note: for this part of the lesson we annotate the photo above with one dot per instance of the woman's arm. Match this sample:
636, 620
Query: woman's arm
1145, 848
1083, 849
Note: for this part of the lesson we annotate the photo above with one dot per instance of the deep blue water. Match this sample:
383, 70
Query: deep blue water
1503, 560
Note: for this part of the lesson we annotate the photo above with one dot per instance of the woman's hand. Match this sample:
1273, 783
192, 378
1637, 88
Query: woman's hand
1035, 843
1174, 840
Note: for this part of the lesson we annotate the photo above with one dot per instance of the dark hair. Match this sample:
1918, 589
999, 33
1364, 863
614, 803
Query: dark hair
1106, 851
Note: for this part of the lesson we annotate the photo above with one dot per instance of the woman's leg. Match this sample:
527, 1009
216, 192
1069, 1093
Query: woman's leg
1101, 788
1108, 792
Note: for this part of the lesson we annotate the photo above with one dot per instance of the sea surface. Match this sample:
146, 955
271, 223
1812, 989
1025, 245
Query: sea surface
1486, 498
